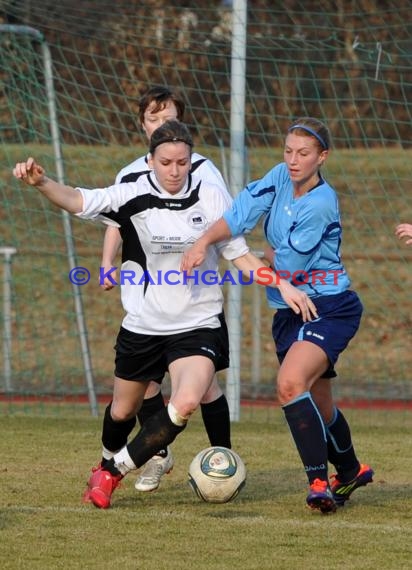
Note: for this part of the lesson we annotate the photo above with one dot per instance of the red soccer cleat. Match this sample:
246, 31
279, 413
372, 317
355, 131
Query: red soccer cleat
100, 487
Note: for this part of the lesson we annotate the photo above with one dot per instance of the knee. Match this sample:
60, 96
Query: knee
288, 390
185, 409
121, 413
285, 396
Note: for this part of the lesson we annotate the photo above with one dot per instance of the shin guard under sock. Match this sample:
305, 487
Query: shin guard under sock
340, 447
157, 433
308, 432
115, 434
216, 418
150, 407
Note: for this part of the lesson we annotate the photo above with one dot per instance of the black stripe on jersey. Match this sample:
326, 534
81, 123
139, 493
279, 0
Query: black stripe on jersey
196, 164
132, 249
133, 176
149, 202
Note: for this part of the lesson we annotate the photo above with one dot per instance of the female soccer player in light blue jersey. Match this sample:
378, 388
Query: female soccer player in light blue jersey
303, 227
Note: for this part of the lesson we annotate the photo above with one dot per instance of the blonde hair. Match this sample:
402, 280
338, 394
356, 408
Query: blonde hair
309, 126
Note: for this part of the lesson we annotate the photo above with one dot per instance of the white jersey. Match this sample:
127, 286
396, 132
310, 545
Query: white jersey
156, 229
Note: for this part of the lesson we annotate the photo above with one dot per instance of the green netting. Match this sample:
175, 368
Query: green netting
344, 63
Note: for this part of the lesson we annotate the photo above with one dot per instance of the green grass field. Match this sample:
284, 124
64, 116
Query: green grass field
44, 525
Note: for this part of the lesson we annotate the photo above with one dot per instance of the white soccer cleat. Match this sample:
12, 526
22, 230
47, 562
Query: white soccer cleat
153, 471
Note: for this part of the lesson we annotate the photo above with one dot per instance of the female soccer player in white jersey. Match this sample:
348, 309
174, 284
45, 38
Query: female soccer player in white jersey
156, 106
172, 322
302, 225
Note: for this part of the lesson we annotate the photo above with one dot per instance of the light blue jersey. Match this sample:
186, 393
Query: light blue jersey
305, 232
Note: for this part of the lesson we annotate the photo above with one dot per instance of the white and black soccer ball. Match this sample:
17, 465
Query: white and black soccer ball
217, 474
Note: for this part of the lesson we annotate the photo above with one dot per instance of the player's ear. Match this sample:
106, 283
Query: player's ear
323, 156
150, 161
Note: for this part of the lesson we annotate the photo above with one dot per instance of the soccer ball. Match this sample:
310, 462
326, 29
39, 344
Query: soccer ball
217, 474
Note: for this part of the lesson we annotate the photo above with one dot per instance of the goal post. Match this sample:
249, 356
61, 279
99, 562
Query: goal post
38, 38
237, 180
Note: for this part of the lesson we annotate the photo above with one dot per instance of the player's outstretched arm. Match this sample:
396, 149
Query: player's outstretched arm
33, 174
404, 231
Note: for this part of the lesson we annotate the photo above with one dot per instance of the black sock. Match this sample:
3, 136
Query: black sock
216, 418
150, 407
340, 447
115, 434
308, 432
109, 466
156, 434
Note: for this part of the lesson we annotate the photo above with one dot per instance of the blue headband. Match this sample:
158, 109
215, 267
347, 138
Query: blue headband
310, 131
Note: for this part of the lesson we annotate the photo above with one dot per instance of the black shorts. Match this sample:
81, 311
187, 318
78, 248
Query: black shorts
147, 357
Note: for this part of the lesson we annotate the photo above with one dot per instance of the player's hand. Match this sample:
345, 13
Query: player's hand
108, 284
193, 257
29, 171
404, 231
297, 300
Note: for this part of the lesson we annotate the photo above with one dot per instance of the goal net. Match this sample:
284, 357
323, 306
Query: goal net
350, 68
